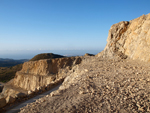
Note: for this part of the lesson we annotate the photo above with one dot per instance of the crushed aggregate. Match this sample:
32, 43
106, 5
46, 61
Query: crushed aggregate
100, 85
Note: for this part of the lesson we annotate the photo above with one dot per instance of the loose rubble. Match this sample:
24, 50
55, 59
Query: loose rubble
36, 77
100, 85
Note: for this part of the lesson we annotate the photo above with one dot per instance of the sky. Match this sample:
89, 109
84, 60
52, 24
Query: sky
37, 26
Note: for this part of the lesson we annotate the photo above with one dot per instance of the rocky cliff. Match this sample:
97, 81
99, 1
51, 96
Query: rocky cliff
37, 76
100, 85
129, 39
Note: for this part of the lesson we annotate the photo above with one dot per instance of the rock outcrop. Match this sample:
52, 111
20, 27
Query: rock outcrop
129, 39
100, 85
37, 76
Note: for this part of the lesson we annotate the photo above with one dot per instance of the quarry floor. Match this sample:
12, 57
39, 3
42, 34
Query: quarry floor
99, 85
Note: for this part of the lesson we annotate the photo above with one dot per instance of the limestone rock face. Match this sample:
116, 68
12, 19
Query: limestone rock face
31, 82
129, 39
8, 92
48, 66
35, 74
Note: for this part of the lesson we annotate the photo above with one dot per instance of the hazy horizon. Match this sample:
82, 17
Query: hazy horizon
28, 54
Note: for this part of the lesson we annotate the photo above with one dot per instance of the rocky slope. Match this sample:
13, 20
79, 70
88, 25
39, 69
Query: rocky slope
100, 85
116, 81
129, 39
112, 82
8, 73
36, 76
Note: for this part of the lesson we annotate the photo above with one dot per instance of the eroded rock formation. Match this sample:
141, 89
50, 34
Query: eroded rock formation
129, 39
37, 76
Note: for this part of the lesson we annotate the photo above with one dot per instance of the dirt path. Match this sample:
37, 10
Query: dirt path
100, 85
16, 109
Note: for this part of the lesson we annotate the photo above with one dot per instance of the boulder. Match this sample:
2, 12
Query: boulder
2, 102
129, 39
10, 99
21, 95
30, 92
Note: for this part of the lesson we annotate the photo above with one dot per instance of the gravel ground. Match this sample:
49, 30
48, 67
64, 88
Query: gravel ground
100, 85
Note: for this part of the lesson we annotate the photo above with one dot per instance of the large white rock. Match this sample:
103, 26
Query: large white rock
129, 39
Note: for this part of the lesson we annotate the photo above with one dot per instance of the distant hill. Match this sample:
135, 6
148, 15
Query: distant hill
46, 56
8, 73
9, 67
10, 62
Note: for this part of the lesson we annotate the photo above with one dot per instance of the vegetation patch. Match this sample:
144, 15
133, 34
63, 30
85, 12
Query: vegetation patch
8, 73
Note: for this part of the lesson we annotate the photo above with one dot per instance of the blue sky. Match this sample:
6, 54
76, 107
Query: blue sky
47, 25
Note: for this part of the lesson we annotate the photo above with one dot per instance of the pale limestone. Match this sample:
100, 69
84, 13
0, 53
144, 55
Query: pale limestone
106, 87
129, 39
38, 76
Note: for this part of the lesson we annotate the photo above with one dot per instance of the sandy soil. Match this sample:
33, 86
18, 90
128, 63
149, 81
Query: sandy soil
100, 85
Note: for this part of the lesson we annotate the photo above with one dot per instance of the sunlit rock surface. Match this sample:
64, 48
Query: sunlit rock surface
129, 39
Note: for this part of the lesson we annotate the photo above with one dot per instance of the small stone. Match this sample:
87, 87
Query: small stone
20, 95
86, 70
10, 99
81, 92
52, 94
29, 92
141, 109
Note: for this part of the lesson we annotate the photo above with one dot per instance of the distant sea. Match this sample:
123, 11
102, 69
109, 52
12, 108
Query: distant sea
28, 54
